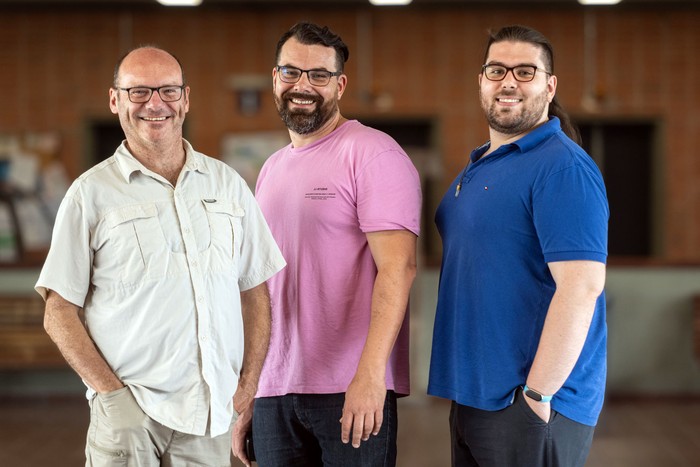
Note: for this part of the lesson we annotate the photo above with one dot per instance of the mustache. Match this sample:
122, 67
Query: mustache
289, 95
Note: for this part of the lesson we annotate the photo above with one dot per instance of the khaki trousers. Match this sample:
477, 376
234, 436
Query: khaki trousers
121, 434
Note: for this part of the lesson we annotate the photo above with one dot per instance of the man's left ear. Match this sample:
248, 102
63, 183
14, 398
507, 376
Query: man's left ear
342, 83
552, 87
187, 99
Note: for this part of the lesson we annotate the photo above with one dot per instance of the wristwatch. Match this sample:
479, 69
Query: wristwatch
535, 396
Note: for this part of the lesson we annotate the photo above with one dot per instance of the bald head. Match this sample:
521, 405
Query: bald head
149, 57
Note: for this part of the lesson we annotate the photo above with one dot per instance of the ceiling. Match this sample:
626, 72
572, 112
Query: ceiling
332, 3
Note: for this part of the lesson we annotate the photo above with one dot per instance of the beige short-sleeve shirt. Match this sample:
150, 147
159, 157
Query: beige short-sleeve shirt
158, 271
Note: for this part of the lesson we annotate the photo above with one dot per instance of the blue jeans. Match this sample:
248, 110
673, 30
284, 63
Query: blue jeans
304, 430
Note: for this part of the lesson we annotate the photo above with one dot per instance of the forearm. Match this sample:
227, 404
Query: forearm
65, 328
561, 342
579, 284
394, 253
255, 306
389, 303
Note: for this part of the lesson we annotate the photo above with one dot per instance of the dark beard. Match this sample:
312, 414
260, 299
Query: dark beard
299, 121
506, 123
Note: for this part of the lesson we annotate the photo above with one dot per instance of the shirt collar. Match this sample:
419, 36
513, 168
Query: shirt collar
128, 164
524, 144
539, 134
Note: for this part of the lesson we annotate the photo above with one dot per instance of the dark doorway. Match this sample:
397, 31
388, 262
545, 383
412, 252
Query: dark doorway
624, 152
106, 138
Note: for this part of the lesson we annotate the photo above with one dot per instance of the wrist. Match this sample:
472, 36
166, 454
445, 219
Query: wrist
536, 395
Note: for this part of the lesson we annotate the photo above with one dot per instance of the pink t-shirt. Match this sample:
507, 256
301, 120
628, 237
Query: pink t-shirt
320, 201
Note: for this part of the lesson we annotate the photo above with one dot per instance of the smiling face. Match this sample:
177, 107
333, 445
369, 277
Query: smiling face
513, 107
153, 123
307, 109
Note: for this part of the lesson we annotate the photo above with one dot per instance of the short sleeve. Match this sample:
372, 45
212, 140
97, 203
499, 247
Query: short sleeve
260, 256
68, 263
571, 215
389, 194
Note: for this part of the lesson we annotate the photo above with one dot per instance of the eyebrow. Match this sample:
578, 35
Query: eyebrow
519, 64
310, 69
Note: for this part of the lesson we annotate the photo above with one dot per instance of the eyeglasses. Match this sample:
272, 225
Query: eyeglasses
522, 73
291, 75
142, 94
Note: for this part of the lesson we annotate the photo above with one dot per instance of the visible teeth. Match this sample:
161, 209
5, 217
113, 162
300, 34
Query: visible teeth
154, 119
299, 101
510, 101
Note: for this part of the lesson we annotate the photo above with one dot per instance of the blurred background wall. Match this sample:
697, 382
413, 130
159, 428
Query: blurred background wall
627, 74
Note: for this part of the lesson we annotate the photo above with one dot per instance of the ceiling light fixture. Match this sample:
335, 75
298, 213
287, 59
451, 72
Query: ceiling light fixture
599, 2
180, 2
389, 2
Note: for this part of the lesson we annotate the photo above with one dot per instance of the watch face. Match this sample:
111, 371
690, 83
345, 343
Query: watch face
533, 395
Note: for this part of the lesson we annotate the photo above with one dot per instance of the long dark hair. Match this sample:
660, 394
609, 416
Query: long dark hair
313, 34
519, 33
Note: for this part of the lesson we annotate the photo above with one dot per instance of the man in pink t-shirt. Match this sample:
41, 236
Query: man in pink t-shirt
343, 203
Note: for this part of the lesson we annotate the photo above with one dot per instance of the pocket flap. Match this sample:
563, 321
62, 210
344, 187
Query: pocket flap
223, 207
129, 213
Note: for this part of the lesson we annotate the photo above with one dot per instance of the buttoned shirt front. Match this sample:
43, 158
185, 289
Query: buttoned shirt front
158, 271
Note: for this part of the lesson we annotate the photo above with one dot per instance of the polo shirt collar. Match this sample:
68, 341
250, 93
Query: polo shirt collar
539, 134
524, 144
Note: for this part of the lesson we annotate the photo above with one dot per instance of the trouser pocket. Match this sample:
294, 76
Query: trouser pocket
117, 429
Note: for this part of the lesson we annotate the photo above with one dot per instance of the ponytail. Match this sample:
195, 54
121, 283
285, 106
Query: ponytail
569, 129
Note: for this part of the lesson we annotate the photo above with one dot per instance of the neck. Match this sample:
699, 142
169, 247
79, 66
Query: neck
499, 139
167, 160
299, 141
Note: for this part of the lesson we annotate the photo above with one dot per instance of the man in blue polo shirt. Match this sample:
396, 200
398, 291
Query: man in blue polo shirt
520, 333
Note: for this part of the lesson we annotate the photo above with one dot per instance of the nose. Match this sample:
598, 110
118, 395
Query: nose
304, 76
155, 98
509, 81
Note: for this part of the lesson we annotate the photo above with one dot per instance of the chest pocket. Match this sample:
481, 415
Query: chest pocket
225, 229
140, 249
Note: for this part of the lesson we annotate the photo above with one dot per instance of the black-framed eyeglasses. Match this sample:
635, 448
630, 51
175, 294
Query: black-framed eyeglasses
142, 94
522, 73
291, 75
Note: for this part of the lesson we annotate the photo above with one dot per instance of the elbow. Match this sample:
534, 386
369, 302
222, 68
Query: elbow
405, 270
58, 314
588, 291
411, 271
49, 323
595, 287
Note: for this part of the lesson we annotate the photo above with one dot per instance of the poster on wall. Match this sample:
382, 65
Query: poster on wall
247, 152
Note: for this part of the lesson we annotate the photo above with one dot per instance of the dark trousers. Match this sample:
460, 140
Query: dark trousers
304, 430
516, 437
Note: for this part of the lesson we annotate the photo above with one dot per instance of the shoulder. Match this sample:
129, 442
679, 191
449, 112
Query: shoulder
95, 177
362, 134
572, 155
559, 152
364, 145
216, 168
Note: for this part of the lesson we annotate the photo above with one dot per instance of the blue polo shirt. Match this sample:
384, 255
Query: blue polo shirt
538, 200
